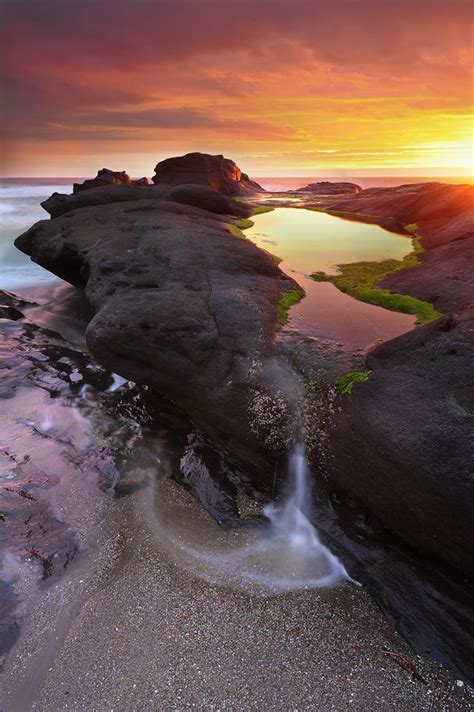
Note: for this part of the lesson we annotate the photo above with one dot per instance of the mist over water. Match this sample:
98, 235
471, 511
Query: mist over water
285, 554
19, 209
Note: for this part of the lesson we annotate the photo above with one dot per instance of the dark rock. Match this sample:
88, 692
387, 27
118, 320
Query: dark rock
104, 177
10, 313
197, 195
180, 303
328, 188
11, 305
141, 181
201, 196
217, 172
402, 442
59, 203
204, 469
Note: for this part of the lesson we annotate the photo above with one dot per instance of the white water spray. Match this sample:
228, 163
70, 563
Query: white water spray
287, 555
304, 559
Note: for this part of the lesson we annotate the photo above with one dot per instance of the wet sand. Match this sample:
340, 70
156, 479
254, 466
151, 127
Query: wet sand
131, 628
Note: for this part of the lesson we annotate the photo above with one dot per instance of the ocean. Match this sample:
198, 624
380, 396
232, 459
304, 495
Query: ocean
293, 182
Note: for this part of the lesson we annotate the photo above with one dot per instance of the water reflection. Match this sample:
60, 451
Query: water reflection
308, 241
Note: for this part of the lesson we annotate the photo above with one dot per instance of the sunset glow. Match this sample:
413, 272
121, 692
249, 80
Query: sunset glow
284, 88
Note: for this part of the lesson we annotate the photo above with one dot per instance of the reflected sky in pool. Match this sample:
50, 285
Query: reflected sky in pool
309, 241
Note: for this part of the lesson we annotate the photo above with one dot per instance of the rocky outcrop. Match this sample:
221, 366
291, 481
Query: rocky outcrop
180, 303
440, 212
107, 177
11, 305
59, 203
217, 172
328, 188
402, 443
197, 195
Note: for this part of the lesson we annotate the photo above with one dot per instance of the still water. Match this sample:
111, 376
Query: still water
308, 241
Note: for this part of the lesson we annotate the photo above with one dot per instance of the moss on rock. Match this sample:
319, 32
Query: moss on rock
347, 381
287, 300
360, 280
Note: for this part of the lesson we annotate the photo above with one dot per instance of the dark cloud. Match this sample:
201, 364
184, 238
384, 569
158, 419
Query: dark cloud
110, 33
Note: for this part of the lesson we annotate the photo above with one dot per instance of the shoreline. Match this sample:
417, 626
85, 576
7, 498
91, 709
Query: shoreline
326, 646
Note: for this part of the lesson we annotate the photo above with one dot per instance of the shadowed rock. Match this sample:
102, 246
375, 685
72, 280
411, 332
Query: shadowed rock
197, 195
402, 442
106, 177
180, 303
217, 172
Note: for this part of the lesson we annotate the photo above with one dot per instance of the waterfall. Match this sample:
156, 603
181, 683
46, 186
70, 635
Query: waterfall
303, 557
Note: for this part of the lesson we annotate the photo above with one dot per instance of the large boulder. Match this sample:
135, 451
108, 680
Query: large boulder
402, 443
180, 303
60, 203
328, 188
217, 172
104, 177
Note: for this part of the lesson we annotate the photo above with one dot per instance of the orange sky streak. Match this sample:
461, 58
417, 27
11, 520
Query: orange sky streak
284, 88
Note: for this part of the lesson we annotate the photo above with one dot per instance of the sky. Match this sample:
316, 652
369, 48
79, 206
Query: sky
284, 87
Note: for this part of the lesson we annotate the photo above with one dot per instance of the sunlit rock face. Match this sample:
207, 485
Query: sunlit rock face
218, 172
107, 177
439, 213
327, 188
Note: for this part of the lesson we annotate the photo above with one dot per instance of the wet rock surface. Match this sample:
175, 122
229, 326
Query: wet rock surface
406, 415
399, 444
402, 442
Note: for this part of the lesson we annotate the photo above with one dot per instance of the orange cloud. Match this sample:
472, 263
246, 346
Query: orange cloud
293, 86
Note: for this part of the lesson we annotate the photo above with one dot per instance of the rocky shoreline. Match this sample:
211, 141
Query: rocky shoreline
184, 306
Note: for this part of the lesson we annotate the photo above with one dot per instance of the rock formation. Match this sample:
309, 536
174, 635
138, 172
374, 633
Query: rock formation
218, 172
327, 188
106, 177
441, 212
402, 442
180, 303
188, 308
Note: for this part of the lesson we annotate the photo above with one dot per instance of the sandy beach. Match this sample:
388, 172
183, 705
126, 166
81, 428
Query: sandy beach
133, 627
